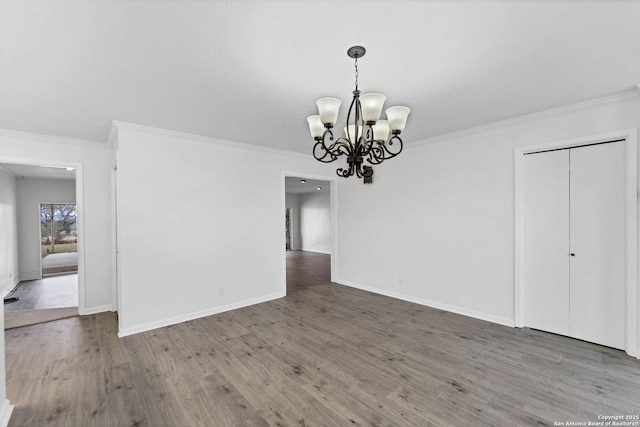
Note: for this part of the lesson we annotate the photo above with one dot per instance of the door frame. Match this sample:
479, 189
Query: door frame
631, 181
79, 212
333, 209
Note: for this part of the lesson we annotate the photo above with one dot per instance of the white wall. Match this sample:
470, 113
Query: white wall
292, 201
200, 224
315, 222
93, 161
437, 225
310, 221
8, 232
30, 193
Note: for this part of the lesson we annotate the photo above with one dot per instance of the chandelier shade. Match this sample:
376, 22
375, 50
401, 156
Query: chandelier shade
367, 137
381, 131
316, 127
328, 109
372, 104
397, 117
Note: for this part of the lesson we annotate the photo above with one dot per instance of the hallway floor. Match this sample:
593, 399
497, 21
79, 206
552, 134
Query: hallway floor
50, 292
306, 269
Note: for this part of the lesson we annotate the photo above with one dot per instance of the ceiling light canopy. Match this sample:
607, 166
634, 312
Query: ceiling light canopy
366, 135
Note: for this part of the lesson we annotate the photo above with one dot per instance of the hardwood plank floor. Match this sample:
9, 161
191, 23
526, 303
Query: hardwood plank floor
307, 269
19, 318
42, 300
49, 292
325, 355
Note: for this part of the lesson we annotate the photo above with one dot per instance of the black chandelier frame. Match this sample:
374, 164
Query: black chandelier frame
327, 149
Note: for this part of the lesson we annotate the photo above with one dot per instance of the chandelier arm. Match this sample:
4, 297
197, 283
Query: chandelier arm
368, 145
321, 151
387, 151
341, 147
376, 155
393, 149
327, 133
355, 109
330, 153
322, 154
345, 173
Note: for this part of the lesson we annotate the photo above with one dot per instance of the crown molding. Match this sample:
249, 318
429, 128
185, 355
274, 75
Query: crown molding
50, 138
632, 93
112, 139
204, 139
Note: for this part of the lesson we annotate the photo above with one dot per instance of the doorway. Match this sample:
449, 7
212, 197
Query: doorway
287, 229
310, 219
57, 295
58, 238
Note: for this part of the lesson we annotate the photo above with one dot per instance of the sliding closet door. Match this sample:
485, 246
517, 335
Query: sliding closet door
597, 218
546, 241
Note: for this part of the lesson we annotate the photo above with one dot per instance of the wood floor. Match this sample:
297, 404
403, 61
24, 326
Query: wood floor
20, 318
325, 355
306, 269
42, 300
50, 292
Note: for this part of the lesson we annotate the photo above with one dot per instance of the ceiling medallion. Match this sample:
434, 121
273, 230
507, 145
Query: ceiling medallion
366, 136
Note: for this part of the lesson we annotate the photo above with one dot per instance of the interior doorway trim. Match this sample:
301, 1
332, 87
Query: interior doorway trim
80, 216
631, 181
333, 201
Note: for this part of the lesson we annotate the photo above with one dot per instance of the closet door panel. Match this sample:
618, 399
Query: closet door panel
546, 241
597, 238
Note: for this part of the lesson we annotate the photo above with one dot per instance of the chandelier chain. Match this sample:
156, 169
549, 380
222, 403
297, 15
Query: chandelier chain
356, 73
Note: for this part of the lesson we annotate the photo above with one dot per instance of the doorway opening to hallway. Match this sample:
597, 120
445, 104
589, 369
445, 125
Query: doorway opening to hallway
308, 231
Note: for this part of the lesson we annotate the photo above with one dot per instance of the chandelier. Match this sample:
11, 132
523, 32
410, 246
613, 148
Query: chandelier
366, 136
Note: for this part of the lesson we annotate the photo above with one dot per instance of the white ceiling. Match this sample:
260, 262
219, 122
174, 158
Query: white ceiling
250, 71
34, 171
295, 185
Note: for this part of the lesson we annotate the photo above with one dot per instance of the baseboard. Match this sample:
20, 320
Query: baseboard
5, 413
198, 314
30, 275
98, 309
430, 303
8, 286
319, 251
